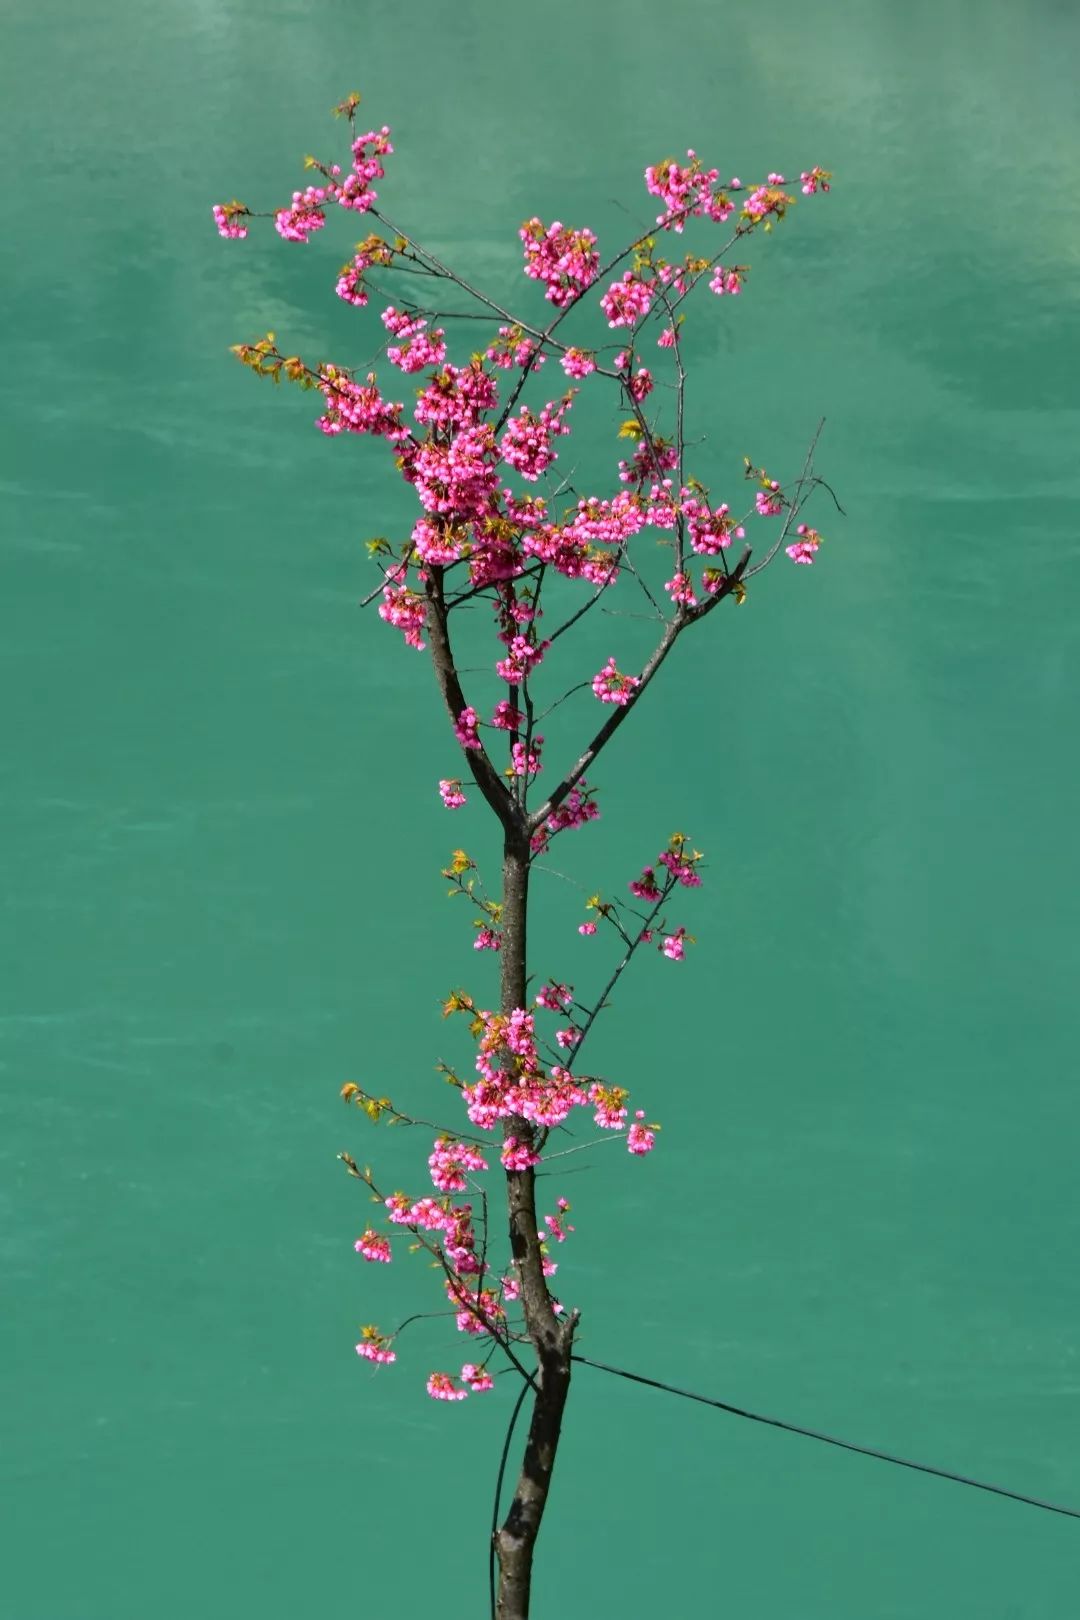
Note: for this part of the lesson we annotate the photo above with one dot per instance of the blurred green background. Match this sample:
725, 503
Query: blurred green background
222, 840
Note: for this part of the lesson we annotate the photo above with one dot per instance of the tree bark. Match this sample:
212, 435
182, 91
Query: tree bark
551, 1337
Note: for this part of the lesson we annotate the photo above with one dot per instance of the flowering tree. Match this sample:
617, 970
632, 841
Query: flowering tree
474, 453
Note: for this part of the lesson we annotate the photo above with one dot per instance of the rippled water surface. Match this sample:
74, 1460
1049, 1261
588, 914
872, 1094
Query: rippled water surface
222, 841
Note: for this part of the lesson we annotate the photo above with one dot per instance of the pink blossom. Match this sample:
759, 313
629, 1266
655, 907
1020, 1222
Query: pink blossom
375, 1346
441, 1387
425, 349
710, 530
556, 1228
649, 461
449, 1162
666, 340
398, 1208
673, 946
610, 1105
556, 997
227, 217
687, 192
477, 1378
680, 867
627, 300
435, 541
680, 589
565, 260
518, 1155
465, 728
814, 180
576, 809
768, 500
522, 656
513, 348
725, 281
457, 398
587, 928
639, 1139
304, 216
487, 939
450, 793
804, 548
526, 443
373, 1246
406, 611
372, 1352
526, 761
507, 717
640, 386
578, 362
646, 887
611, 687
353, 407
355, 191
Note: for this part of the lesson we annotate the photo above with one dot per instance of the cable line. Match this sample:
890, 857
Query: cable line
831, 1439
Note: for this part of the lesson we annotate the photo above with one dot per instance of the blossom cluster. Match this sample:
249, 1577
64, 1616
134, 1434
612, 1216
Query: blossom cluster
565, 260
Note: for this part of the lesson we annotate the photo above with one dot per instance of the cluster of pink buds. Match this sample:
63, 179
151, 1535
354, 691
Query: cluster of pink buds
578, 362
627, 301
368, 150
518, 1155
646, 887
304, 216
424, 349
373, 1246
566, 261
610, 1105
465, 728
526, 444
640, 385
804, 548
441, 1387
450, 793
406, 611
768, 500
506, 716
375, 1346
350, 282
611, 687
556, 997
513, 347
522, 656
680, 588
725, 281
227, 217
525, 761
450, 1161
639, 1138
577, 808
814, 180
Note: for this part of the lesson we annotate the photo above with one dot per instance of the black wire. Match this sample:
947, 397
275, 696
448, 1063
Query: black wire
830, 1439
526, 1385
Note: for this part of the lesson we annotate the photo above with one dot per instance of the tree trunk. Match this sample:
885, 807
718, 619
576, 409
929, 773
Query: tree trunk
551, 1338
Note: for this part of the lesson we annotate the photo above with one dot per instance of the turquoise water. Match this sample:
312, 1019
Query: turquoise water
223, 843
